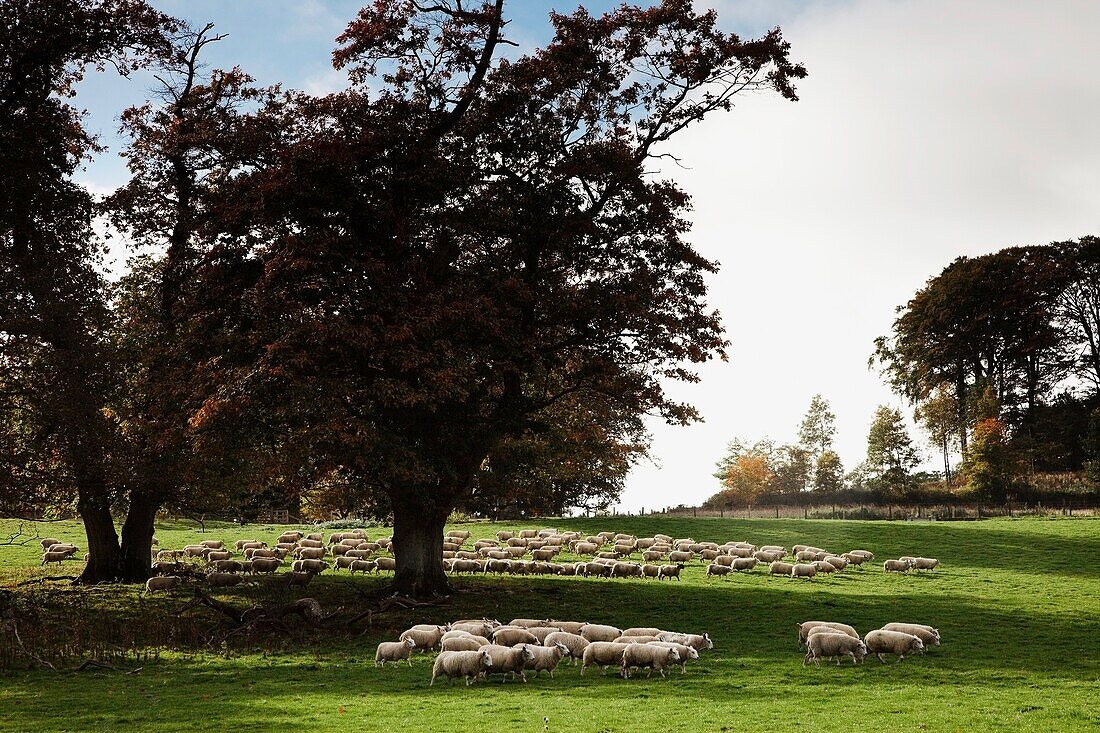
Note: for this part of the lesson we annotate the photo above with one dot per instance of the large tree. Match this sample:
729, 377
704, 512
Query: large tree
459, 242
58, 365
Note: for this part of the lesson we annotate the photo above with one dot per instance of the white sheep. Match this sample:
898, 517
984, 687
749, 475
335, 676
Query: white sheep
928, 635
600, 632
780, 568
362, 566
896, 566
213, 544
823, 644
468, 664
603, 654
804, 571
545, 657
162, 582
57, 557
685, 652
426, 637
467, 643
265, 565
882, 642
652, 658
696, 641
925, 563
670, 571
309, 566
49, 542
512, 635
394, 651
805, 627
741, 564
573, 627
509, 659
222, 580
575, 644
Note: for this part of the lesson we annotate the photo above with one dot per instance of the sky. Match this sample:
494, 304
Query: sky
926, 130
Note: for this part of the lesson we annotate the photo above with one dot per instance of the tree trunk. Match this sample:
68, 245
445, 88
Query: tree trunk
137, 538
418, 550
104, 553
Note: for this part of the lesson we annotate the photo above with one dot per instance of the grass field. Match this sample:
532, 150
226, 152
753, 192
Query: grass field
1017, 603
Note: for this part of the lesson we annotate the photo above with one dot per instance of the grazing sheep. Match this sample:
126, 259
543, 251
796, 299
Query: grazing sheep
574, 644
670, 571
741, 564
222, 580
162, 582
311, 566
265, 565
298, 578
925, 563
426, 637
882, 642
827, 645
362, 566
544, 657
604, 654
467, 664
896, 566
701, 642
600, 632
508, 659
652, 658
685, 652
780, 568
804, 571
928, 635
512, 635
805, 627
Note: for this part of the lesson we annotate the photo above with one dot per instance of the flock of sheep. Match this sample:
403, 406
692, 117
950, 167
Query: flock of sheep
829, 640
477, 648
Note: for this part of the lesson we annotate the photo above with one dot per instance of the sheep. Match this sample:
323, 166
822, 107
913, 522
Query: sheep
626, 570
544, 657
881, 642
679, 556
222, 580
426, 637
575, 644
572, 627
285, 547
505, 536
718, 570
685, 652
512, 635
228, 566
289, 537
541, 632
805, 627
928, 635
467, 664
461, 644
925, 563
49, 542
597, 569
769, 555
528, 623
636, 639
265, 565
67, 547
313, 537
162, 582
604, 654
508, 659
780, 568
362, 566
651, 571
545, 553
866, 554
701, 642
214, 544
310, 543
741, 564
670, 571
805, 556
662, 537
312, 566
299, 578
251, 545
57, 557
343, 561
854, 558
774, 548
386, 563
394, 651
214, 555
896, 566
641, 631
824, 567
600, 632
739, 552
170, 568
827, 645
650, 657
803, 570
310, 553
837, 562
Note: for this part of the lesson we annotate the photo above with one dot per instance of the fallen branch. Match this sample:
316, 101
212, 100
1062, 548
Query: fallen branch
48, 579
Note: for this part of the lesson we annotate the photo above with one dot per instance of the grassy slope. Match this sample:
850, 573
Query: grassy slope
1017, 603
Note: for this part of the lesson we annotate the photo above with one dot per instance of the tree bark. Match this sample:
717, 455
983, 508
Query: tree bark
418, 550
104, 553
137, 538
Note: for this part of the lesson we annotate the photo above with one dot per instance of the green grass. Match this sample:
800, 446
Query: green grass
1017, 603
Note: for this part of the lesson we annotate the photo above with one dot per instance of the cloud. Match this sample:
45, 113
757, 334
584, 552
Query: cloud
926, 130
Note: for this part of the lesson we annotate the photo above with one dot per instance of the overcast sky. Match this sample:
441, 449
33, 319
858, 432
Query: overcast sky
926, 130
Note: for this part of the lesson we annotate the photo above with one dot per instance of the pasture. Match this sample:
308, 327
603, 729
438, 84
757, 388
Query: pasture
1017, 603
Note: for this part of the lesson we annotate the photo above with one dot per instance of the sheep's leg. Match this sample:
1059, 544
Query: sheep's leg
880, 658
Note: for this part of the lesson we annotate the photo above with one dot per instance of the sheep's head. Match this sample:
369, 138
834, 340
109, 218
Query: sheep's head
918, 645
528, 654
564, 649
410, 643
673, 655
708, 642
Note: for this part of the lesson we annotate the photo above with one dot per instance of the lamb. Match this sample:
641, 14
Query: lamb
641, 631
805, 628
512, 635
740, 564
650, 657
599, 632
896, 566
508, 659
545, 657
670, 571
265, 565
892, 642
223, 580
394, 651
604, 654
161, 582
575, 644
685, 652
426, 637
695, 641
928, 635
804, 571
827, 645
468, 664
299, 578
780, 568
716, 570
925, 563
